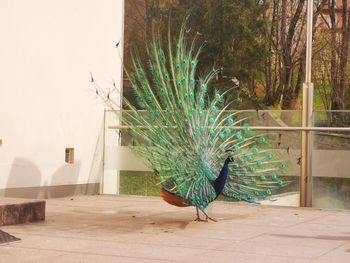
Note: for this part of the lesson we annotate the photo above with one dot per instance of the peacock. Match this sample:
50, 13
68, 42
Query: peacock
196, 146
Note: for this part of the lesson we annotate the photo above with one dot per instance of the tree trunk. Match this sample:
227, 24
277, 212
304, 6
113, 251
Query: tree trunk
334, 65
343, 60
288, 94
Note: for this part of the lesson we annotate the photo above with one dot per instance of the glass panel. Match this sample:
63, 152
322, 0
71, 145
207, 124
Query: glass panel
331, 170
273, 117
327, 118
138, 183
285, 145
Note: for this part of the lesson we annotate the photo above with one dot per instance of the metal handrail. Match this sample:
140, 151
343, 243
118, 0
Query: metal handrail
261, 110
261, 128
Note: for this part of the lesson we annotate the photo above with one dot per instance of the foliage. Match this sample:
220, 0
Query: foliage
234, 42
139, 183
259, 44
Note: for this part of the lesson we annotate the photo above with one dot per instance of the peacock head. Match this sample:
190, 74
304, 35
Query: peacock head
230, 157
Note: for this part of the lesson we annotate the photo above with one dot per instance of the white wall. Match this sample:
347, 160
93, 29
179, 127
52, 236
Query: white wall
47, 50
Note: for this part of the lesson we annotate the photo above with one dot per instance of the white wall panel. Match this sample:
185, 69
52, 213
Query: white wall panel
47, 50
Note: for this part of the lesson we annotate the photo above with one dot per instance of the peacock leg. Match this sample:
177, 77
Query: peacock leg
198, 217
207, 217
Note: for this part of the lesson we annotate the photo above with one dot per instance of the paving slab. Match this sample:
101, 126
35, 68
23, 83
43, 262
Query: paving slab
146, 229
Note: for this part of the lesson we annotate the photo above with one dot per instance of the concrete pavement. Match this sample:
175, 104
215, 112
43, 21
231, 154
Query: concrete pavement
146, 229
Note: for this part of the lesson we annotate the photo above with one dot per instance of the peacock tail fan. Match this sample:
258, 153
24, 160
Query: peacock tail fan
183, 132
256, 171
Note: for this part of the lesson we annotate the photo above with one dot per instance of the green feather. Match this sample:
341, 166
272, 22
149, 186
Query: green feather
185, 132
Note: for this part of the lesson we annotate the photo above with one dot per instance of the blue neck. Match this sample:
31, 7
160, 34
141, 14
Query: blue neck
219, 183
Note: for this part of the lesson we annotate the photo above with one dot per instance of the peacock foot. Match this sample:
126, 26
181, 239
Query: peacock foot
212, 219
198, 219
208, 217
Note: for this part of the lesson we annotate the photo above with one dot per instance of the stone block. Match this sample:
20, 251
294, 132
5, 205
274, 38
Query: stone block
20, 211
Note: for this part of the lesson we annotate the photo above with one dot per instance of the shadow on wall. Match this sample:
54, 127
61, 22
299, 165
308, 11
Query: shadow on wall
63, 182
96, 168
25, 178
23, 173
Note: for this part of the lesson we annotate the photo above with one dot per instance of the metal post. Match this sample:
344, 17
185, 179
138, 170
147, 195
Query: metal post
306, 135
121, 89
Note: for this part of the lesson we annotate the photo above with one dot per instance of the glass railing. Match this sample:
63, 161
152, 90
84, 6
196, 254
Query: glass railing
331, 152
331, 162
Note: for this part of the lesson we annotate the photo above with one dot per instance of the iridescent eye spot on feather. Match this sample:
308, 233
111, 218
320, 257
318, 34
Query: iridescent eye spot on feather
262, 140
142, 104
237, 148
274, 176
269, 156
255, 149
230, 121
247, 128
260, 163
212, 132
218, 97
239, 136
162, 58
283, 166
250, 157
193, 111
252, 168
228, 131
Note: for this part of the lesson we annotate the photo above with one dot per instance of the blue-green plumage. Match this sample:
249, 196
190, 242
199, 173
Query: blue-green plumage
220, 181
184, 132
